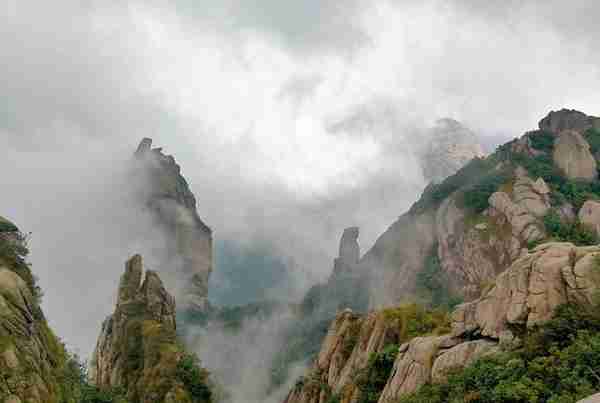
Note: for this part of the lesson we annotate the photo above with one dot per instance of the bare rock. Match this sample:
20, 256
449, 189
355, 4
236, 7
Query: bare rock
572, 155
349, 248
137, 349
592, 399
568, 119
589, 215
165, 192
534, 196
452, 145
461, 356
524, 225
530, 289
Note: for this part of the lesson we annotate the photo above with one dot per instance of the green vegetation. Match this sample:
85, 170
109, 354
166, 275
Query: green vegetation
195, 379
432, 283
414, 320
558, 364
592, 136
372, 379
574, 232
7, 226
542, 140
475, 197
434, 194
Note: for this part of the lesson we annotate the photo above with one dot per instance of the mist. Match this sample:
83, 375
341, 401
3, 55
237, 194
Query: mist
290, 121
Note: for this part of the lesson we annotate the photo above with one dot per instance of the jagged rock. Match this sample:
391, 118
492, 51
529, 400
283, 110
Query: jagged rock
189, 240
349, 249
524, 225
589, 215
137, 349
530, 289
534, 196
568, 119
572, 155
451, 146
31, 355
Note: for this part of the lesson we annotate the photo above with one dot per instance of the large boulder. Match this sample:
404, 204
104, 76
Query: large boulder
573, 156
589, 215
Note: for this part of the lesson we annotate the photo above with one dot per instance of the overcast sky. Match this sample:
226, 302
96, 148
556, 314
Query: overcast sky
291, 119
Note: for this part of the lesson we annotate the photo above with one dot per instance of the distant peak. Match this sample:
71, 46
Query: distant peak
145, 145
568, 119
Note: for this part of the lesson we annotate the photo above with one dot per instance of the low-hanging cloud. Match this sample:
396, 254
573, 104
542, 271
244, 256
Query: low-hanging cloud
290, 121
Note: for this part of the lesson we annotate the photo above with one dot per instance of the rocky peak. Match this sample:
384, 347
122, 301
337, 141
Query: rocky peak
568, 119
573, 156
349, 248
137, 349
165, 192
451, 145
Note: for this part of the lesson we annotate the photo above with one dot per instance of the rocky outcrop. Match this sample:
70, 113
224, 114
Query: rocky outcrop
527, 293
589, 215
450, 147
137, 348
31, 356
523, 296
572, 155
568, 119
591, 399
397, 256
189, 241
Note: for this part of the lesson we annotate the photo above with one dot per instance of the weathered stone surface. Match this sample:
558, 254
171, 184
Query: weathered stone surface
528, 292
349, 248
461, 356
533, 196
524, 225
166, 193
451, 146
572, 155
568, 119
397, 256
589, 215
30, 354
137, 349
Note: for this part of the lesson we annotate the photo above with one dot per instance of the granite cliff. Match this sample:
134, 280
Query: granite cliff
137, 350
165, 192
514, 235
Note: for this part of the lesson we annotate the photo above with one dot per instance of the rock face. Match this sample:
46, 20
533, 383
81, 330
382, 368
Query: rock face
189, 241
452, 145
589, 215
524, 295
568, 119
527, 293
137, 349
572, 155
591, 399
31, 356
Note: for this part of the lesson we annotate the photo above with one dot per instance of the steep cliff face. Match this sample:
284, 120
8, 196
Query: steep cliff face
189, 241
32, 358
425, 348
478, 220
137, 349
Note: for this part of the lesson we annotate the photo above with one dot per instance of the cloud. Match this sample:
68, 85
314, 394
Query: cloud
291, 120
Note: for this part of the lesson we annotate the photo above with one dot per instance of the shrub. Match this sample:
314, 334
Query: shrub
541, 140
575, 232
592, 136
475, 197
432, 282
413, 320
558, 364
372, 379
194, 378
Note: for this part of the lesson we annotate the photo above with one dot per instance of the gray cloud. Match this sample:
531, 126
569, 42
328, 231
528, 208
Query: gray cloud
291, 120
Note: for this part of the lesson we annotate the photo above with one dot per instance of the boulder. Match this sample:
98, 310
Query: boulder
589, 215
592, 399
572, 155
